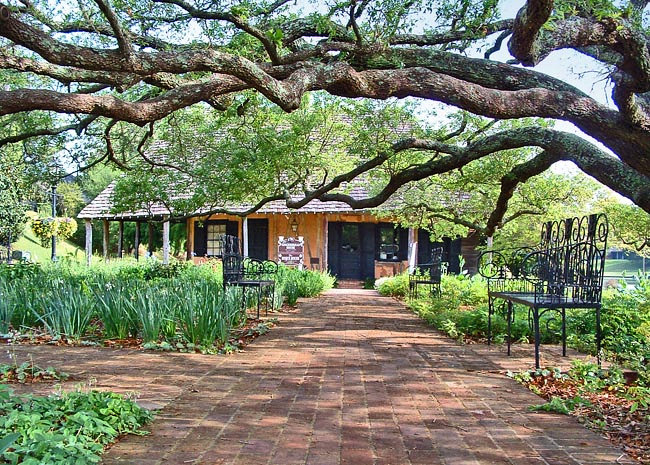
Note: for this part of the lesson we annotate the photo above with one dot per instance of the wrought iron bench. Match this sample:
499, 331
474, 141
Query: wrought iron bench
564, 271
248, 273
427, 274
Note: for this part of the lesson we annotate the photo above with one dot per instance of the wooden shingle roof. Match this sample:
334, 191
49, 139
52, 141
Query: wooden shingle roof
102, 207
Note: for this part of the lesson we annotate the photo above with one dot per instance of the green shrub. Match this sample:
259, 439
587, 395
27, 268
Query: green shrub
396, 286
72, 427
294, 283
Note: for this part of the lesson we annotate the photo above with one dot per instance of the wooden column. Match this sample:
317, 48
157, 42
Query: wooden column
105, 240
244, 234
150, 239
89, 241
412, 249
189, 241
166, 241
137, 241
324, 265
120, 239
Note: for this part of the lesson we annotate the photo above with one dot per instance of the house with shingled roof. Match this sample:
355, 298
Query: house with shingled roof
351, 244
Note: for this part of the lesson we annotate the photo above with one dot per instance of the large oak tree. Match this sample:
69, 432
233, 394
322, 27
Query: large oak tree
88, 67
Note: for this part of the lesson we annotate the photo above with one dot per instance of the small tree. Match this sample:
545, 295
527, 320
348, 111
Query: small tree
12, 212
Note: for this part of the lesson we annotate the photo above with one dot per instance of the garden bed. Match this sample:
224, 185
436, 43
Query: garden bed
239, 338
179, 307
610, 402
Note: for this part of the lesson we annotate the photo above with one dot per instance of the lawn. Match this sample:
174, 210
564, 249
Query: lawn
30, 243
628, 266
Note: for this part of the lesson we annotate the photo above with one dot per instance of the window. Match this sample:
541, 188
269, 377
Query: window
388, 243
215, 232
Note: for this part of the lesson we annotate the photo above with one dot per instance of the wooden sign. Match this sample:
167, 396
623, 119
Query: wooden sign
291, 250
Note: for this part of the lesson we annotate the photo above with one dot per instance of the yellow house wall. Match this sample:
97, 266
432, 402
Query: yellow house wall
311, 226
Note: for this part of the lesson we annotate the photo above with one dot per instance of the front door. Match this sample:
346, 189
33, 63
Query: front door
350, 251
258, 238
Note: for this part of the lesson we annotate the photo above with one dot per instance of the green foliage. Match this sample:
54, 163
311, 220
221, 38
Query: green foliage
172, 304
294, 283
67, 428
46, 228
396, 286
561, 405
630, 225
29, 372
12, 210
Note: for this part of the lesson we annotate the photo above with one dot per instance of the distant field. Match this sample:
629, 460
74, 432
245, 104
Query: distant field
32, 244
629, 267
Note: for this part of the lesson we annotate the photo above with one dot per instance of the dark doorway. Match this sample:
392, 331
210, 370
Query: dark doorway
258, 238
450, 254
351, 249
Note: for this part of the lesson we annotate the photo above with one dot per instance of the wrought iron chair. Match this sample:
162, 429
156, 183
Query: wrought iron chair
248, 274
564, 271
427, 274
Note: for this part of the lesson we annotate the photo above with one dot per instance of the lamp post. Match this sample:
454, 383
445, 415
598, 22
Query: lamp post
54, 196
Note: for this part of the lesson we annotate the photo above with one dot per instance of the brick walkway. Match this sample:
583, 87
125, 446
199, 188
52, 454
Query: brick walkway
351, 378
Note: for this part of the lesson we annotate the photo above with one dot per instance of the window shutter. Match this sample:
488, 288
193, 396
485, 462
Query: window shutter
200, 239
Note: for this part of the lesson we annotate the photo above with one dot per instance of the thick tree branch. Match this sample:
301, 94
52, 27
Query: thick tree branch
530, 19
123, 41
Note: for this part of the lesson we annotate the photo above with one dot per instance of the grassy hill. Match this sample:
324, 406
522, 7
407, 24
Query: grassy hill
30, 243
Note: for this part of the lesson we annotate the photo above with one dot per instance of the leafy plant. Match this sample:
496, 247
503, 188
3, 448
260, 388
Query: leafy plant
28, 371
67, 428
560, 405
67, 312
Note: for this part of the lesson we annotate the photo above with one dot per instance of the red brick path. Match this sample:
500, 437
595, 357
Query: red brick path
352, 378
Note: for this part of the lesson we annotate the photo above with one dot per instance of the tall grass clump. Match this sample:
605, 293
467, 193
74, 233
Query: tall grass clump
152, 309
67, 311
293, 283
115, 310
6, 309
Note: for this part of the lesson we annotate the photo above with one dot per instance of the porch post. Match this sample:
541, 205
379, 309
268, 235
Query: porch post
189, 242
120, 238
150, 240
245, 235
166, 241
137, 241
412, 250
326, 239
105, 240
89, 241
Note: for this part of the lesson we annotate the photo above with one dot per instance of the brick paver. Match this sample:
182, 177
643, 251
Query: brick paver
351, 378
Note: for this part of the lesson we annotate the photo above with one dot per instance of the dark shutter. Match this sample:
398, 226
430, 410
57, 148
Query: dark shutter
232, 228
333, 245
258, 238
424, 246
403, 243
454, 253
368, 239
200, 239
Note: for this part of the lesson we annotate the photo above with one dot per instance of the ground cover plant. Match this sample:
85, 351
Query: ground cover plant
165, 307
606, 401
72, 427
